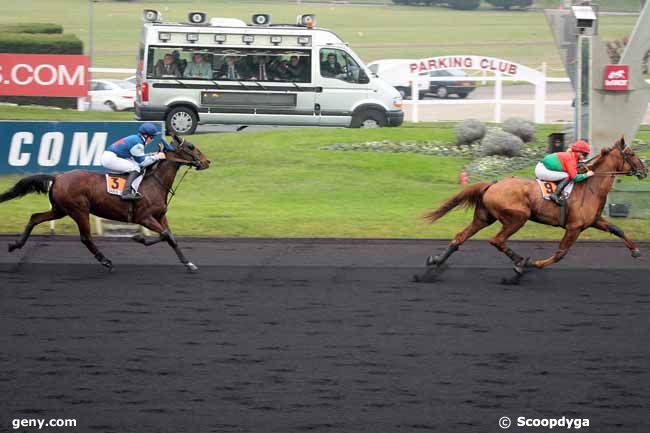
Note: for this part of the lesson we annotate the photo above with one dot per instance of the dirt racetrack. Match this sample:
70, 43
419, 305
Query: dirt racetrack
321, 336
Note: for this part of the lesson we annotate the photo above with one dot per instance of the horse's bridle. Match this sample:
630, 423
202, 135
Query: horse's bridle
634, 169
193, 159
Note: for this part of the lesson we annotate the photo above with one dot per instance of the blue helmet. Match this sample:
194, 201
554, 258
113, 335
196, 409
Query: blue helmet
148, 129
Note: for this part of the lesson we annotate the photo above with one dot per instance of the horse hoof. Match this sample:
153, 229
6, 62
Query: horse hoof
191, 267
138, 237
431, 261
107, 264
13, 246
636, 253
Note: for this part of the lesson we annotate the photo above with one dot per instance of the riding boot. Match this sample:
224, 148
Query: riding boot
557, 196
129, 194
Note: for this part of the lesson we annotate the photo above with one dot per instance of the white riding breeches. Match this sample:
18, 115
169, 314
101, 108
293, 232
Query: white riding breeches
115, 164
543, 173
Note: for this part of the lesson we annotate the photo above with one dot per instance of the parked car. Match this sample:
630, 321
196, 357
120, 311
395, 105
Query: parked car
442, 89
131, 79
397, 73
116, 95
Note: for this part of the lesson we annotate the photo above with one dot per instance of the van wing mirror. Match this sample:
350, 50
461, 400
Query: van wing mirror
363, 77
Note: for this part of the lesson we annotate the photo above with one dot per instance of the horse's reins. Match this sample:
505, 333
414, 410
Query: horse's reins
634, 170
171, 190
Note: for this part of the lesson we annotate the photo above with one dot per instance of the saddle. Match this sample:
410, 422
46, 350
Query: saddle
549, 187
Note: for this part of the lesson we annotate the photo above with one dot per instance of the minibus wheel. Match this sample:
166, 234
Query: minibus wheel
182, 120
369, 119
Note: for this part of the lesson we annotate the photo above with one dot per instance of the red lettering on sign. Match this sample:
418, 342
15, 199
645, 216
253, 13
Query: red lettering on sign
43, 75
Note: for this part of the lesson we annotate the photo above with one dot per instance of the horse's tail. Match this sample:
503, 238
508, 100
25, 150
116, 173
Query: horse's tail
39, 183
470, 196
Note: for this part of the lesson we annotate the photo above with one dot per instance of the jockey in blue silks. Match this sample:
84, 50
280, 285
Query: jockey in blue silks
127, 155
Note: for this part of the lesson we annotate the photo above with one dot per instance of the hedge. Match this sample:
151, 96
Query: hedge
28, 43
31, 28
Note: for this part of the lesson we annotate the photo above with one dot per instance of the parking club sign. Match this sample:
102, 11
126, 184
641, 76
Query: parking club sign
617, 77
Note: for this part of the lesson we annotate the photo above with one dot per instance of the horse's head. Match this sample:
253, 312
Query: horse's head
186, 153
630, 162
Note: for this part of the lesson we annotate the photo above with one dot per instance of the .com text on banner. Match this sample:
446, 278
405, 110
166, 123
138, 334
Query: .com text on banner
55, 147
43, 75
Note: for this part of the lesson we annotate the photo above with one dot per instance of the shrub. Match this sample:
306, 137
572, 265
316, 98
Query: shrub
28, 43
31, 28
498, 142
522, 128
464, 5
507, 4
469, 131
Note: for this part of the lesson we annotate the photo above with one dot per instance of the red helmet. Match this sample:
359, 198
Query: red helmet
581, 146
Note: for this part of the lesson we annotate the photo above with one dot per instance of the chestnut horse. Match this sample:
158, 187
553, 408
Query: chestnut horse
514, 201
79, 193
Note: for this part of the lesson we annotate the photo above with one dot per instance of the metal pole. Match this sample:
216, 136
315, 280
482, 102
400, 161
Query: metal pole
498, 96
415, 99
91, 27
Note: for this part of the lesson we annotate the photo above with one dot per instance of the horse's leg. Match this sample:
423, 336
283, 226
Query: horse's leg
434, 265
570, 236
604, 225
162, 228
146, 240
511, 222
478, 223
83, 223
34, 220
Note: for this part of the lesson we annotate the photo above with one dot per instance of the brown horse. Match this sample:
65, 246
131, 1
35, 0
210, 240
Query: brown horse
514, 201
79, 193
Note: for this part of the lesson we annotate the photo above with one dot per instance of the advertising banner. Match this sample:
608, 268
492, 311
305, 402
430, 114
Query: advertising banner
54, 147
53, 75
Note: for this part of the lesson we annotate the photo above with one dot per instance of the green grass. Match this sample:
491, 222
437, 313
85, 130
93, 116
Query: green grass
279, 183
373, 32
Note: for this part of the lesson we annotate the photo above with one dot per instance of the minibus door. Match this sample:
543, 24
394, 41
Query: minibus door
342, 82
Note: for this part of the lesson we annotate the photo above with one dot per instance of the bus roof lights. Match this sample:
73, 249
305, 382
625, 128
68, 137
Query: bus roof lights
197, 18
248, 39
276, 39
220, 38
192, 37
306, 20
151, 15
164, 36
261, 19
304, 40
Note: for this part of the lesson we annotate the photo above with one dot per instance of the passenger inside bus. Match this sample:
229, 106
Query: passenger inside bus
166, 68
199, 68
234, 70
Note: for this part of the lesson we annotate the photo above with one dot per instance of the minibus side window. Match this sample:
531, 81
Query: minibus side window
165, 63
339, 65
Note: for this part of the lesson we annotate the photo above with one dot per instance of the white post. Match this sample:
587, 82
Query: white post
498, 96
415, 96
540, 100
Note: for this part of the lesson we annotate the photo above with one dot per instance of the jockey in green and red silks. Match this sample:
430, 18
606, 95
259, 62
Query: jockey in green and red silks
563, 167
